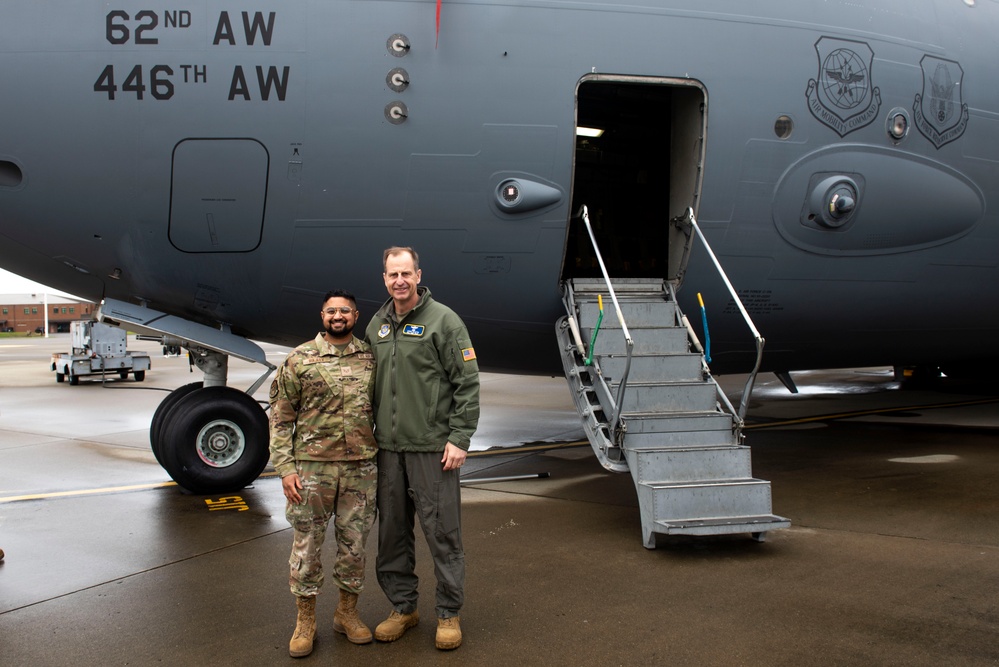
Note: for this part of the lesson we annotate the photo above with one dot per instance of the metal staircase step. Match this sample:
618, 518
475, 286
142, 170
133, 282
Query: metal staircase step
756, 525
689, 465
658, 440
647, 341
643, 314
622, 286
711, 499
649, 367
658, 422
668, 396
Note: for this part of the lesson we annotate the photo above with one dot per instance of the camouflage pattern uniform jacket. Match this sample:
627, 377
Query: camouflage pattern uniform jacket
321, 405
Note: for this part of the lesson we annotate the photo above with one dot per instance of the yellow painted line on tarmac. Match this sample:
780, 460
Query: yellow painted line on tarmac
161, 485
85, 492
92, 492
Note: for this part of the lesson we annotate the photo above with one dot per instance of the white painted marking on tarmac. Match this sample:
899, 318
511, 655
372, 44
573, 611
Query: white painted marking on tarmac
931, 458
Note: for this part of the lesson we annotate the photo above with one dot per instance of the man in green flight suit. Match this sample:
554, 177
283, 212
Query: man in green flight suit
426, 410
323, 447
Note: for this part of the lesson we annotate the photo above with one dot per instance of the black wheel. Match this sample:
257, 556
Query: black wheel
123, 373
214, 440
74, 379
140, 376
156, 425
60, 377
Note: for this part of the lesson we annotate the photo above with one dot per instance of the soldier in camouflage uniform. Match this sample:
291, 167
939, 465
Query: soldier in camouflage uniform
323, 447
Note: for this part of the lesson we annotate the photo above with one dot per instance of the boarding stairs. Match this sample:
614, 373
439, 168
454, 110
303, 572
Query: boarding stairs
649, 405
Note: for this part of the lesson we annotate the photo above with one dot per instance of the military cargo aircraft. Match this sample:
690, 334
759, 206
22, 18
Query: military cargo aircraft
209, 169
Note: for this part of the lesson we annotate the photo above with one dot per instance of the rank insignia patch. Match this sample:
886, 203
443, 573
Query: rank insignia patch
384, 331
413, 330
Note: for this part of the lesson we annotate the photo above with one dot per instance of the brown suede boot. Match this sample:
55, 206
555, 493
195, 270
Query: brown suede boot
305, 631
346, 620
395, 625
448, 633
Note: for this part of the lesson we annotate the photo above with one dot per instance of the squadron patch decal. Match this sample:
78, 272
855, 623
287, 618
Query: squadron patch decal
843, 96
940, 112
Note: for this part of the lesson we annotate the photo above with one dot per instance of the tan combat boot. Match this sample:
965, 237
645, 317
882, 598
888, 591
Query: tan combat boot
395, 625
448, 633
305, 631
346, 620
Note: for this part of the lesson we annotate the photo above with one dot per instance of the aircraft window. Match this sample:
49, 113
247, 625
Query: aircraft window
898, 124
783, 127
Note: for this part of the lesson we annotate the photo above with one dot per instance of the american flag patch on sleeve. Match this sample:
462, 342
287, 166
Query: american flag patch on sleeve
468, 354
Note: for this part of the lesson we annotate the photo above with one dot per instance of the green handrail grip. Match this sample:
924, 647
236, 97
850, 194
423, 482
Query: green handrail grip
593, 338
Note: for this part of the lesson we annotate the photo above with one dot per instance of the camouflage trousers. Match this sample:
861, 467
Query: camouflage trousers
343, 491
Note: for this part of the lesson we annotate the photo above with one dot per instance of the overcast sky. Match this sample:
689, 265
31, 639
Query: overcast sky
11, 283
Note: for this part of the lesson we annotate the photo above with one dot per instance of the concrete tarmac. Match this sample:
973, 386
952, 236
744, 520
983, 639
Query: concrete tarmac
892, 557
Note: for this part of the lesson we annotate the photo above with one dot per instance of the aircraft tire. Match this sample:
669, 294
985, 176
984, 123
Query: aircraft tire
156, 425
214, 440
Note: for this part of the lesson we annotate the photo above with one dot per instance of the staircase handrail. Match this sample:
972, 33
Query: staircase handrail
629, 343
682, 321
760, 341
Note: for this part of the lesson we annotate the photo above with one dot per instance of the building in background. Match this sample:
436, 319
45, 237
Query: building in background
26, 313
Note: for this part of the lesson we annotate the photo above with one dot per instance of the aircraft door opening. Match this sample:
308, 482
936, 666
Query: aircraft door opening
643, 169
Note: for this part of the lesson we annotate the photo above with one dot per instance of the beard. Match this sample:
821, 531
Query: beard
344, 331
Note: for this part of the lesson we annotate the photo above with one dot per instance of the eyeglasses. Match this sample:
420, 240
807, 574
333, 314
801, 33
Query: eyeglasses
346, 310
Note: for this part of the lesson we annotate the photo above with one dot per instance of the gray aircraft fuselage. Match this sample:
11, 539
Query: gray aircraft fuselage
229, 162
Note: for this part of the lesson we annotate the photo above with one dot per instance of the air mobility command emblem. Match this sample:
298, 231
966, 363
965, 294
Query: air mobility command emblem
384, 331
843, 96
939, 112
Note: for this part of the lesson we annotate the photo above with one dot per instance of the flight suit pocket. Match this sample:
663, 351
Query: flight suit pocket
448, 511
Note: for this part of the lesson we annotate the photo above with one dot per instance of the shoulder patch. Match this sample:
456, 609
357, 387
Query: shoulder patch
468, 354
413, 330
